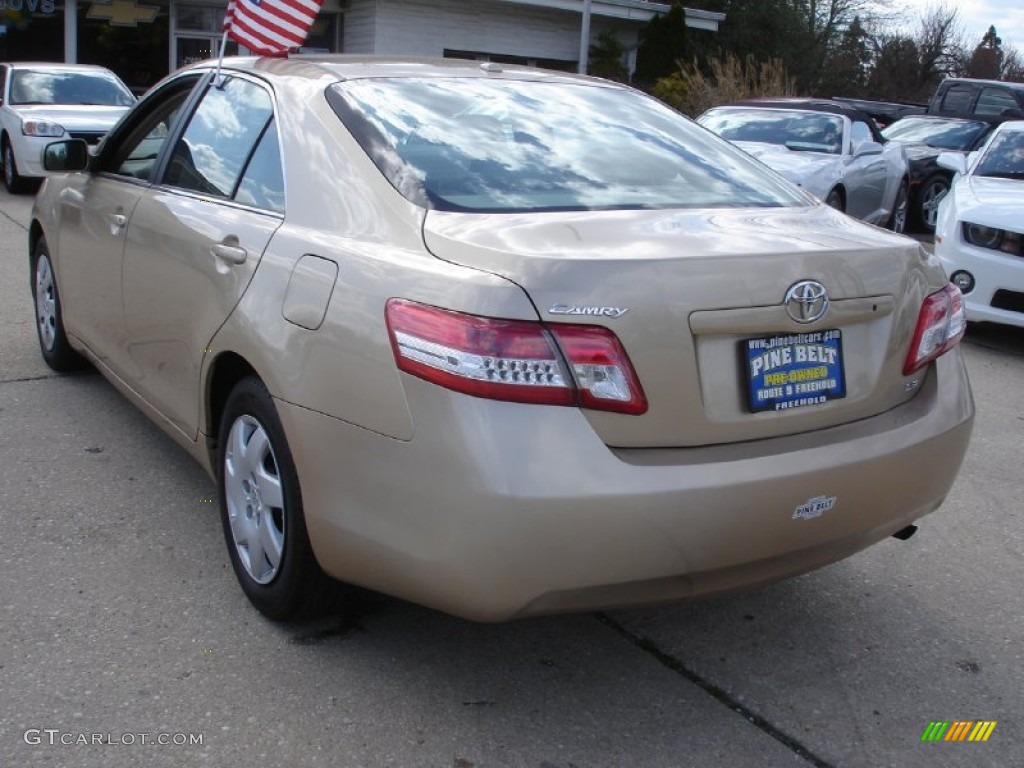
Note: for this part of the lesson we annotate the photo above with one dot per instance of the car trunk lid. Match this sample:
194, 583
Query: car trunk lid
697, 298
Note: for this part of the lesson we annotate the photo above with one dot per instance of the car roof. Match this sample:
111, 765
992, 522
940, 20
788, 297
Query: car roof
1013, 86
1011, 125
356, 67
55, 66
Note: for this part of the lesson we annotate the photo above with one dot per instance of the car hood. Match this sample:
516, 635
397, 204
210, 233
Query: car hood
788, 161
813, 170
682, 289
922, 151
74, 117
993, 202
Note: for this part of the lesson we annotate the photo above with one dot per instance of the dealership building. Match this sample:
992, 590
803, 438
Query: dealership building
143, 40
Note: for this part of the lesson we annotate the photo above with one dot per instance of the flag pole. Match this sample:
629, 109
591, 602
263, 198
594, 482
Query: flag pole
220, 59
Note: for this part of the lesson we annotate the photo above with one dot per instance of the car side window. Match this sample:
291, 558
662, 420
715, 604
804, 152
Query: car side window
994, 101
3, 81
957, 99
262, 184
135, 153
220, 137
859, 133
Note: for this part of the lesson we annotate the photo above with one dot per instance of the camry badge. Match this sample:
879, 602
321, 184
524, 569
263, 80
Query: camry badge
815, 507
574, 309
806, 301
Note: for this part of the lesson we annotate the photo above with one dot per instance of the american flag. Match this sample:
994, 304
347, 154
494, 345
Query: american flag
270, 27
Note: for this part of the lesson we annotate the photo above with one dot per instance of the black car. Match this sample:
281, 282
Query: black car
926, 136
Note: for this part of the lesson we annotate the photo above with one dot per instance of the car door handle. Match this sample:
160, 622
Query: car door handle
231, 254
118, 222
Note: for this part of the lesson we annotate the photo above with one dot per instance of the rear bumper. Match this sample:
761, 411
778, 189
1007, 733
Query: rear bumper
497, 510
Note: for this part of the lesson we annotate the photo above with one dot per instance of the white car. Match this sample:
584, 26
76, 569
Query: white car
831, 150
980, 231
43, 102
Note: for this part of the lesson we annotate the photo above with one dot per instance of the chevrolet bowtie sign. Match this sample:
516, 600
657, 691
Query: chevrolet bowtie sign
123, 13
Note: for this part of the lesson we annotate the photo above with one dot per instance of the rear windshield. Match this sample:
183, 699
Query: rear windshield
507, 145
65, 87
941, 134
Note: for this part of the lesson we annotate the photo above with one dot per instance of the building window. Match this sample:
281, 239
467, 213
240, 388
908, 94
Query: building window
32, 30
131, 37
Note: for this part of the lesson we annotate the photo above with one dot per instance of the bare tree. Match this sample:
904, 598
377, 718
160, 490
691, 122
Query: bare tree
908, 67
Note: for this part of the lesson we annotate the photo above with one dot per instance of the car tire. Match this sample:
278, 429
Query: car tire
12, 179
932, 191
834, 199
900, 206
53, 341
261, 511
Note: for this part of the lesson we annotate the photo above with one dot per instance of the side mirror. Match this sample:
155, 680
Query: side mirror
952, 161
867, 148
68, 155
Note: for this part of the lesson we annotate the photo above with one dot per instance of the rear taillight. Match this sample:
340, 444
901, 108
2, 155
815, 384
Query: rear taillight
940, 325
516, 360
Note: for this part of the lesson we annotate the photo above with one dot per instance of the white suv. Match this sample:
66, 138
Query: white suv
40, 103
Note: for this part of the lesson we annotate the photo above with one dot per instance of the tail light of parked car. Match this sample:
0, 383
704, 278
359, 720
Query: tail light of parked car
516, 360
940, 326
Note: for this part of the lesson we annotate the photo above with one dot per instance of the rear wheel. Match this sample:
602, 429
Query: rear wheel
934, 189
12, 179
898, 219
53, 341
261, 510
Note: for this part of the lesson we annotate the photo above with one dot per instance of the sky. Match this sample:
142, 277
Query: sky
975, 18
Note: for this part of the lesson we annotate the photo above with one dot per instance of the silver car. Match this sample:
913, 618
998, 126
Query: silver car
833, 151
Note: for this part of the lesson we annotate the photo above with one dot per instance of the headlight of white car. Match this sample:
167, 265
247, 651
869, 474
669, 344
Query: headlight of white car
40, 128
992, 237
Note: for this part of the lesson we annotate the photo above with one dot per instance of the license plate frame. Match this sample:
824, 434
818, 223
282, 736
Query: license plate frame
793, 370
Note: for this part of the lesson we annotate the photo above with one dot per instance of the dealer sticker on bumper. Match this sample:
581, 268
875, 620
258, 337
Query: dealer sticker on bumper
794, 370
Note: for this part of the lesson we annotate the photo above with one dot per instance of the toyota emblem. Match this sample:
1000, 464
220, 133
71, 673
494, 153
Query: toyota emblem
806, 301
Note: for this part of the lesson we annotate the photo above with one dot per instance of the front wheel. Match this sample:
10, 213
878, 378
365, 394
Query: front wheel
261, 510
898, 218
934, 189
53, 341
12, 179
835, 200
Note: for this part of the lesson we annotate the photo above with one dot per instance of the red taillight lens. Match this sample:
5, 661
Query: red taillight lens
516, 360
940, 325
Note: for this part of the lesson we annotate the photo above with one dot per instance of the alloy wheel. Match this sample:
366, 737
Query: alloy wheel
46, 303
255, 499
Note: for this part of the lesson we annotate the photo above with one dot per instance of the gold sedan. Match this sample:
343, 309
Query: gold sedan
502, 342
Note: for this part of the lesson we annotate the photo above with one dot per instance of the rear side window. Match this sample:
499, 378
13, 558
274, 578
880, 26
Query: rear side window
957, 99
262, 184
220, 138
994, 101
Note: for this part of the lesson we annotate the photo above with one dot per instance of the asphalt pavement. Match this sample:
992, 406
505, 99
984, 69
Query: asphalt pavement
126, 642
